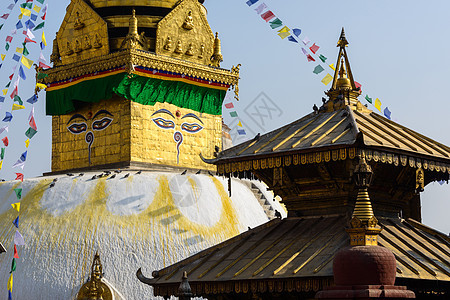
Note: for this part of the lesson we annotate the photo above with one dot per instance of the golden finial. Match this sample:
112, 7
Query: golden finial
363, 225
133, 40
133, 30
342, 39
95, 288
217, 57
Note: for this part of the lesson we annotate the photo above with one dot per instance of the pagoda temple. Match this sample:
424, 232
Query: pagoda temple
311, 164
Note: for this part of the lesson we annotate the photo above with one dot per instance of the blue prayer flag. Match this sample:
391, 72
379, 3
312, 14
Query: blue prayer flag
19, 25
251, 2
297, 32
292, 39
241, 132
23, 157
8, 117
16, 57
22, 73
2, 99
16, 222
30, 24
33, 99
33, 17
9, 292
42, 46
387, 113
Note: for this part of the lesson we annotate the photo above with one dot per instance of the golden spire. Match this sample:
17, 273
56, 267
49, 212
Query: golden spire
95, 289
133, 40
363, 229
217, 57
133, 30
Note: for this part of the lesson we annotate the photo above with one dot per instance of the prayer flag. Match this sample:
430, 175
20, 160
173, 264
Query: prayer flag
3, 129
41, 76
332, 67
268, 15
16, 254
41, 86
5, 141
292, 39
7, 46
284, 29
233, 114
20, 164
251, 2
29, 24
304, 51
11, 6
229, 105
10, 282
18, 239
2, 154
239, 124
19, 50
314, 48
1, 164
358, 85
30, 34
276, 23
27, 143
260, 8
5, 91
30, 133
23, 156
5, 16
284, 35
43, 66
306, 41
26, 62
44, 41
16, 90
25, 12
33, 123
16, 222
318, 69
297, 32
28, 40
31, 115
310, 58
9, 295
368, 99
19, 25
33, 99
378, 104
327, 79
3, 56
16, 206
40, 1
19, 176
26, 4
387, 113
8, 117
322, 58
16, 57
37, 8
17, 107
22, 74
2, 99
33, 17
9, 39
241, 132
18, 193
13, 264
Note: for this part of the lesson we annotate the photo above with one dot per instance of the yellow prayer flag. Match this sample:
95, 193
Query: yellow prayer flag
3, 56
16, 206
378, 104
284, 29
27, 143
41, 86
19, 50
20, 16
5, 91
37, 8
240, 124
332, 66
17, 107
25, 12
10, 282
43, 39
1, 164
327, 79
26, 62
284, 35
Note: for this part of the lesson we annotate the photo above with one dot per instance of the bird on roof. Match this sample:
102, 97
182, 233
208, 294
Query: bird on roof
315, 108
55, 180
112, 176
257, 136
69, 174
118, 171
52, 184
277, 214
126, 175
107, 172
81, 174
184, 172
138, 172
198, 172
94, 177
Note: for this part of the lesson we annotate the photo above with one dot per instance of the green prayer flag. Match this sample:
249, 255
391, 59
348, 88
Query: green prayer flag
26, 5
7, 86
39, 26
30, 133
368, 99
18, 99
276, 23
41, 75
7, 47
233, 114
13, 266
18, 193
1, 26
40, 1
318, 69
2, 155
322, 58
25, 51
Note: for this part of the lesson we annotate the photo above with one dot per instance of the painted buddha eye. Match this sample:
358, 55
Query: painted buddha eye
101, 124
163, 123
77, 128
191, 127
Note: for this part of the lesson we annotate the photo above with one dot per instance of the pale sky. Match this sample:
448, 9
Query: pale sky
399, 51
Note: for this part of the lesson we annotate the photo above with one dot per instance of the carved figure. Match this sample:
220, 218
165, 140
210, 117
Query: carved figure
189, 22
97, 41
190, 50
69, 50
202, 51
168, 44
87, 43
78, 23
179, 48
78, 48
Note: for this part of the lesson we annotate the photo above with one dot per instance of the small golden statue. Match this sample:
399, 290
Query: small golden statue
179, 48
202, 51
190, 50
168, 44
97, 42
78, 48
189, 22
78, 24
87, 43
69, 50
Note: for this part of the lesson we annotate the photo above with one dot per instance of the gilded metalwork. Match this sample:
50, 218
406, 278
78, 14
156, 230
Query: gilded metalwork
420, 180
95, 288
217, 57
134, 40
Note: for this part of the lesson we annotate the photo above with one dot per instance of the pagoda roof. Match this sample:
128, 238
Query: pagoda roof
342, 128
302, 250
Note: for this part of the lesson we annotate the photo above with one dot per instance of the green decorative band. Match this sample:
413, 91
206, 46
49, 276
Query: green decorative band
141, 89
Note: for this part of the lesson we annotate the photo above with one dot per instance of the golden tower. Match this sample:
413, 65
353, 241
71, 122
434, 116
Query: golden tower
136, 86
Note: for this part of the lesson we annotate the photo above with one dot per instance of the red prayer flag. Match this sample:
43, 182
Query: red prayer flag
310, 58
15, 92
43, 17
267, 16
11, 76
33, 123
229, 105
358, 85
44, 66
9, 38
5, 16
29, 1
19, 176
5, 141
16, 254
28, 40
314, 48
